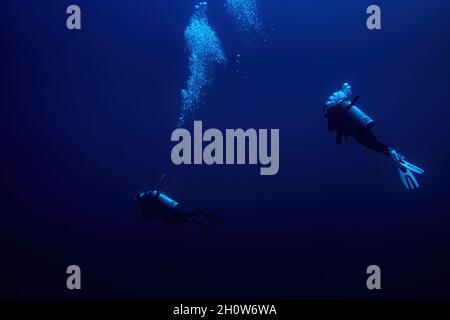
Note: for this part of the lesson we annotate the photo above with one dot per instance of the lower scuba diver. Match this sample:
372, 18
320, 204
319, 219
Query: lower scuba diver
155, 204
348, 120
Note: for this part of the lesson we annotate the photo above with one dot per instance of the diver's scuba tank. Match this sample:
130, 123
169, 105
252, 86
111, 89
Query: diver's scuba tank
360, 117
341, 98
164, 199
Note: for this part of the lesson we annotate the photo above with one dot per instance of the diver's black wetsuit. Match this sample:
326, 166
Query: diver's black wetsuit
152, 209
339, 120
348, 120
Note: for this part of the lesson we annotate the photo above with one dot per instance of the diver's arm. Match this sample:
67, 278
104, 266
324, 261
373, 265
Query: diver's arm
339, 137
331, 127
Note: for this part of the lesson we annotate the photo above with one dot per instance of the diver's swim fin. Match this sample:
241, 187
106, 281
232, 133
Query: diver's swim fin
408, 178
406, 170
413, 167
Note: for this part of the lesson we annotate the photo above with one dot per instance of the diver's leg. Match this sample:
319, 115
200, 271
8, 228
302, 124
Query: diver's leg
368, 139
196, 213
175, 219
208, 215
200, 223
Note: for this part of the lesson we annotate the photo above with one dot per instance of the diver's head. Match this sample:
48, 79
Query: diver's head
139, 197
339, 96
347, 89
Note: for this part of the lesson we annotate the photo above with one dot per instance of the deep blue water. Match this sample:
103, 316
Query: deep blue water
86, 118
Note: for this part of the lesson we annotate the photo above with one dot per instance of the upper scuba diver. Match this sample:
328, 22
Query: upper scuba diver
155, 204
348, 120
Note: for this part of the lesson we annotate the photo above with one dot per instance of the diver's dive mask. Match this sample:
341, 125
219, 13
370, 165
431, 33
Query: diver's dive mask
339, 97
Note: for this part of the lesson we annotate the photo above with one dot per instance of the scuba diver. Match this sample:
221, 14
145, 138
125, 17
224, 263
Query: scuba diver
155, 204
348, 120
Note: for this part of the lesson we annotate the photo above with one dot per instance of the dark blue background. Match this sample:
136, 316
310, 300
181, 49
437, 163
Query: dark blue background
86, 118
